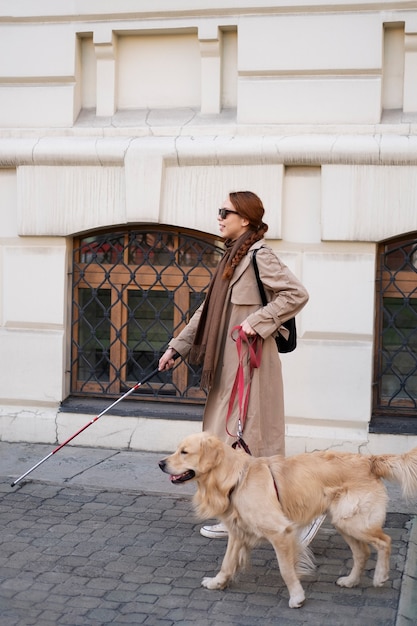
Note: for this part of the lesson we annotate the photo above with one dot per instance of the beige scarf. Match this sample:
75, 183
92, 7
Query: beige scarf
203, 349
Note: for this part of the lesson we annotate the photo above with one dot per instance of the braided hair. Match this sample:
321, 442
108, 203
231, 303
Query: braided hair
249, 206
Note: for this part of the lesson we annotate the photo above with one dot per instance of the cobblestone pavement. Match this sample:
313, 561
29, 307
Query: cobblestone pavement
78, 555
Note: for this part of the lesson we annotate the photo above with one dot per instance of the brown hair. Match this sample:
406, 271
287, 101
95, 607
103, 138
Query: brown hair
249, 206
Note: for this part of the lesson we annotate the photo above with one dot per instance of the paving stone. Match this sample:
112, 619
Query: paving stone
87, 556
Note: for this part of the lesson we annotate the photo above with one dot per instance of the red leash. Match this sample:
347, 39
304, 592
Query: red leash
253, 355
249, 350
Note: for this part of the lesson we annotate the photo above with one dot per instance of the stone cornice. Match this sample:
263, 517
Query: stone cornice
289, 149
99, 10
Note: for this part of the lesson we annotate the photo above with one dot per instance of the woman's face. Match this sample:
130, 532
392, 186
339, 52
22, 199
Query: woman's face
232, 225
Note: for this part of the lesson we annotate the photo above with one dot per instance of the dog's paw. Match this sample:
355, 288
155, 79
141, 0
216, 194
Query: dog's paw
380, 580
297, 601
213, 583
347, 581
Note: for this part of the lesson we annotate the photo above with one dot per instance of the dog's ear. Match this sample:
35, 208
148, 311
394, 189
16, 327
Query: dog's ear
211, 453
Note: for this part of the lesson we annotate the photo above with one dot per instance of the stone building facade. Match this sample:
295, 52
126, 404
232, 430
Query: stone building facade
132, 114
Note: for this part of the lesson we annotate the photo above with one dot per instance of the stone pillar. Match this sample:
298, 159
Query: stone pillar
105, 46
210, 38
410, 74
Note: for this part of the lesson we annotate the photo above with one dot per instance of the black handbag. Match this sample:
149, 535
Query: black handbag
283, 345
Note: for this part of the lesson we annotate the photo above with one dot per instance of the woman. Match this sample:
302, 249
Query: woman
233, 299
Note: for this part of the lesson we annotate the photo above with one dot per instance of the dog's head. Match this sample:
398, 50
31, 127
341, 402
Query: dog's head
195, 456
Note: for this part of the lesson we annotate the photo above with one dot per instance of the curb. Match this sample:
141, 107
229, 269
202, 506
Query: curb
407, 606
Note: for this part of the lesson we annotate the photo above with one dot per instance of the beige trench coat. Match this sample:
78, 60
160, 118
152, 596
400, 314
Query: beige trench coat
264, 429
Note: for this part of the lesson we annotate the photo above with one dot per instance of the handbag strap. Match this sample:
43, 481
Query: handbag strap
258, 279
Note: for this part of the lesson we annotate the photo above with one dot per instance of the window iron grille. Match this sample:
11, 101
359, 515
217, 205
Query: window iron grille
131, 292
396, 344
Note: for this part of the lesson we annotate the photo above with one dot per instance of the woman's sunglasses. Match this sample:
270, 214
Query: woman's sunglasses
223, 213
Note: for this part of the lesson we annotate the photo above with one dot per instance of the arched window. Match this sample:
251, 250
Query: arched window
395, 380
132, 291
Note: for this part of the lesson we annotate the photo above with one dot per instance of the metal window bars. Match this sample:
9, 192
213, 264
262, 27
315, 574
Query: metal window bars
131, 292
396, 347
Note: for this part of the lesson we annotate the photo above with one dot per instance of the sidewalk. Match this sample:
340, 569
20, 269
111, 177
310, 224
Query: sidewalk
95, 537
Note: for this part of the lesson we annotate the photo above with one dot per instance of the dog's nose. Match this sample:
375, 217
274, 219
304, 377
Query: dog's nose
162, 464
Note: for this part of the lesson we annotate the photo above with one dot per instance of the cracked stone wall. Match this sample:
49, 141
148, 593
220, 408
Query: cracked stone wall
132, 114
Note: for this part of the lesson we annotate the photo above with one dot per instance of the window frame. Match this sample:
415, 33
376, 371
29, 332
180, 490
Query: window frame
179, 276
396, 279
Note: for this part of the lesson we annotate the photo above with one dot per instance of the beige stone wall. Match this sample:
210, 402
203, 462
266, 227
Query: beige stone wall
133, 111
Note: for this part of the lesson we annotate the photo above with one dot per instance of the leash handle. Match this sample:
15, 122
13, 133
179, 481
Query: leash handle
249, 349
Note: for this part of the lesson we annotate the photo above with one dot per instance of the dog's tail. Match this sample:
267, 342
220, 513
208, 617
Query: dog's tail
399, 468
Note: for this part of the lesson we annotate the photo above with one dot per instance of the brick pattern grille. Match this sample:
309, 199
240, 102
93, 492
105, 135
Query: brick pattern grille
132, 291
396, 354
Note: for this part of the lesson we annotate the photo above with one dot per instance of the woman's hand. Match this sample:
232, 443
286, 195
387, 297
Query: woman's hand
167, 360
247, 329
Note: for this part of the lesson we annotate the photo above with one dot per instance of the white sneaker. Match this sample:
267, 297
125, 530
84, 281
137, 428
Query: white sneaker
308, 533
217, 531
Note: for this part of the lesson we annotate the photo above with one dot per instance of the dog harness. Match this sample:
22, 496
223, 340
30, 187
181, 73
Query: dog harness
275, 484
235, 445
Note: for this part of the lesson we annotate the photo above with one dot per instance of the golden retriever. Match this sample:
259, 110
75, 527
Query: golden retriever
272, 498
